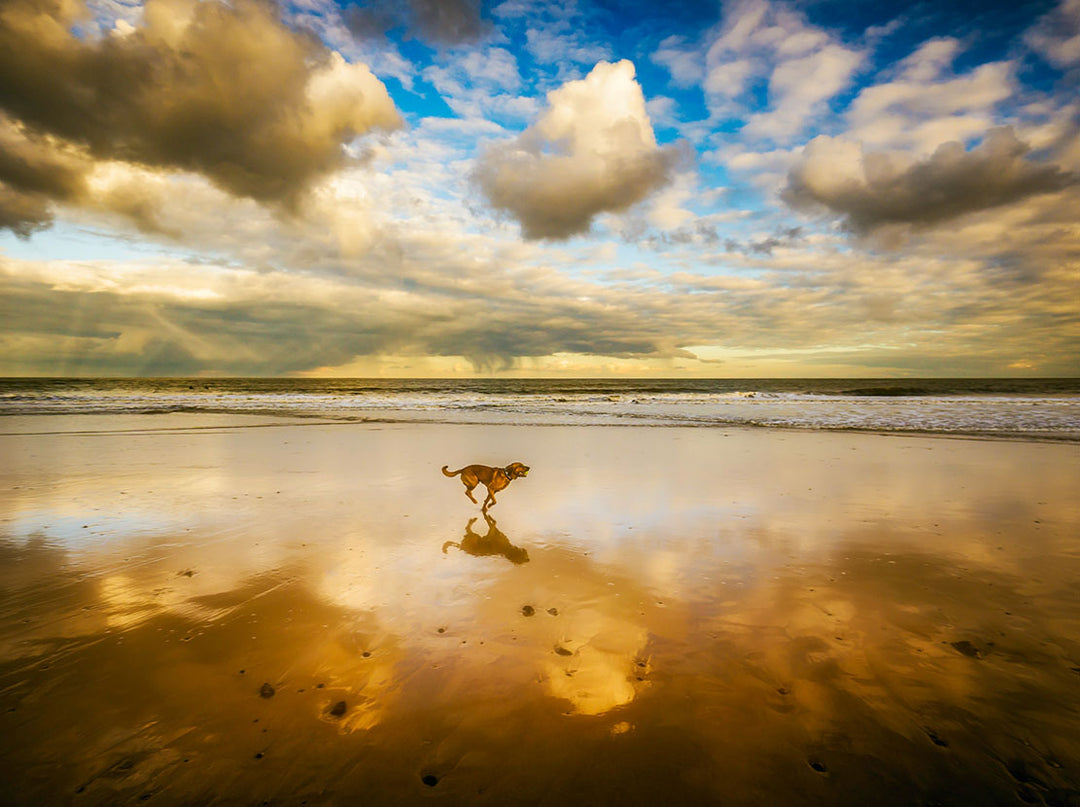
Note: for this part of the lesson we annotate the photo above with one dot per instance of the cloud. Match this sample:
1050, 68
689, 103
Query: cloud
482, 84
684, 64
392, 255
560, 35
1056, 36
448, 22
987, 289
804, 64
799, 88
874, 189
923, 105
224, 91
23, 213
668, 209
558, 43
32, 173
173, 319
591, 151
440, 22
763, 45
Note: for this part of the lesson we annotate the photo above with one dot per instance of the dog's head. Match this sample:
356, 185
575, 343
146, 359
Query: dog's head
516, 469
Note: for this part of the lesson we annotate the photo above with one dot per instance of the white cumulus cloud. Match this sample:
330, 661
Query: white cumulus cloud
591, 151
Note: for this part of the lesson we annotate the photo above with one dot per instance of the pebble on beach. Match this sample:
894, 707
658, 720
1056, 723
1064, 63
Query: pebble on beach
967, 648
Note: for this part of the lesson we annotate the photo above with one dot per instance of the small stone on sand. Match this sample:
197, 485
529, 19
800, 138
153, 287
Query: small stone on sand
967, 648
528, 610
338, 709
266, 691
936, 740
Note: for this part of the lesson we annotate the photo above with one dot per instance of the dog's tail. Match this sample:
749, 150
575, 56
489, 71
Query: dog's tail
451, 473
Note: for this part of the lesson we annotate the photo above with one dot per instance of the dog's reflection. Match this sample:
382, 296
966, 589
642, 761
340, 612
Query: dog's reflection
494, 542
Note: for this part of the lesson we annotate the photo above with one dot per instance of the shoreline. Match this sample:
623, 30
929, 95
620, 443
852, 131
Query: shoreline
233, 420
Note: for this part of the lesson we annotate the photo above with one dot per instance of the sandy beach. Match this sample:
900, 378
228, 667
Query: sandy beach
221, 609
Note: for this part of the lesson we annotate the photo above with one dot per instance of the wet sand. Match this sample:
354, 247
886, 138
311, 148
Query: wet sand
227, 610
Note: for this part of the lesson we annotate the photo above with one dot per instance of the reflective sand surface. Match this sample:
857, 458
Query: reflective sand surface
314, 614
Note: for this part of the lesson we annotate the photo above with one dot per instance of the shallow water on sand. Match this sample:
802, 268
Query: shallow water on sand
314, 614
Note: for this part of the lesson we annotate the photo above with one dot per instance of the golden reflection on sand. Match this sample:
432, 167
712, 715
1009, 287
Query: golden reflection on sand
726, 635
595, 669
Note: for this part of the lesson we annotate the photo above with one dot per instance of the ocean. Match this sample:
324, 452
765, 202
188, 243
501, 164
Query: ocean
1018, 408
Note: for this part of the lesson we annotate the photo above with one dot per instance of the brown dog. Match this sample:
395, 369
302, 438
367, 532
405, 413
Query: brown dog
494, 479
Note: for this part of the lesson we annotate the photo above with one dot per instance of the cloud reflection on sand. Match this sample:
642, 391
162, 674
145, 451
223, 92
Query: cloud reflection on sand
660, 652
842, 661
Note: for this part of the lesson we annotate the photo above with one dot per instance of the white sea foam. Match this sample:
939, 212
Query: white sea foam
1051, 410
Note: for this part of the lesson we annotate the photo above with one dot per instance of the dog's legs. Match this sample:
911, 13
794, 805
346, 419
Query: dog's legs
490, 500
468, 492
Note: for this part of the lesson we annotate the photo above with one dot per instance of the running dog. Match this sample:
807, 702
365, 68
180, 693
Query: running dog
494, 479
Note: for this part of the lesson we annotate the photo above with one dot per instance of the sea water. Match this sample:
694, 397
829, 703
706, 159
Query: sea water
1025, 408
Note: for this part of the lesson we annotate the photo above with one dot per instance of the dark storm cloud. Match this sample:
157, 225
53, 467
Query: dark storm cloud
439, 22
23, 213
29, 169
226, 91
104, 333
31, 175
496, 343
946, 185
448, 22
75, 331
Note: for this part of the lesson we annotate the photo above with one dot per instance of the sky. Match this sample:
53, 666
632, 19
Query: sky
429, 188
